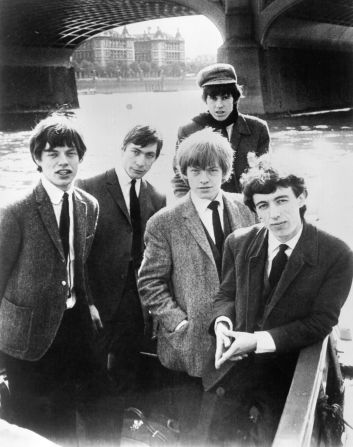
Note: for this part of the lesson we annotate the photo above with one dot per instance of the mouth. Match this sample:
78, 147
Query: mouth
64, 172
277, 224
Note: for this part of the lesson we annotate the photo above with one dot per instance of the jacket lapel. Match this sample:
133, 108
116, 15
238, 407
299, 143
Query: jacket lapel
194, 224
46, 212
234, 216
305, 252
257, 256
145, 201
80, 228
114, 188
240, 128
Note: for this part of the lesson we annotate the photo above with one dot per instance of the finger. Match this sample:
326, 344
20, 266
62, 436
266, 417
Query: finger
219, 349
226, 342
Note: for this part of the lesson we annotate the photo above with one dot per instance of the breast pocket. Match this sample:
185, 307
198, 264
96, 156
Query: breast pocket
15, 325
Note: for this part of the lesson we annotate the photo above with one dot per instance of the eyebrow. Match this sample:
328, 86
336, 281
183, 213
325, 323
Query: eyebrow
282, 196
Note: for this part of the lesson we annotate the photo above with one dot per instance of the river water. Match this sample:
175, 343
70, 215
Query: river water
320, 146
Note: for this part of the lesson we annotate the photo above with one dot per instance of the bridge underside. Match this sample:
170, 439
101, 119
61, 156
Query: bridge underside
290, 55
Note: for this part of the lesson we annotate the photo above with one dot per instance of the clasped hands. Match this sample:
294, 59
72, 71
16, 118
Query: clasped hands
232, 345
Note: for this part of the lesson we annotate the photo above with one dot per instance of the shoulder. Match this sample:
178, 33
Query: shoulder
156, 195
189, 128
17, 203
246, 235
168, 217
91, 182
328, 242
86, 197
254, 121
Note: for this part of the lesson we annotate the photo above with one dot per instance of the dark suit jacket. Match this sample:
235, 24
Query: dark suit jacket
111, 251
307, 301
250, 134
33, 276
178, 279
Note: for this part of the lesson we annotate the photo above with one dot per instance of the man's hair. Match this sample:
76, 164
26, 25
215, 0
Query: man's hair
222, 89
265, 176
203, 149
143, 136
56, 130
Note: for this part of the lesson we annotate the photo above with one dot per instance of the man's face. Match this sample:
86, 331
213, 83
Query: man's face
220, 106
205, 183
279, 211
59, 165
138, 160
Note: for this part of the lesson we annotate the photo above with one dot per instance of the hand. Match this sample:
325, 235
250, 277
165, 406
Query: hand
96, 320
243, 344
223, 341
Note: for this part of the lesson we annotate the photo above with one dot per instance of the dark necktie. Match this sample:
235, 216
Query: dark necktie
278, 264
135, 216
64, 226
217, 227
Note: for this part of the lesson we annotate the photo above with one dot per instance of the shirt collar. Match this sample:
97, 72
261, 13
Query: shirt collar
55, 194
274, 243
124, 178
201, 205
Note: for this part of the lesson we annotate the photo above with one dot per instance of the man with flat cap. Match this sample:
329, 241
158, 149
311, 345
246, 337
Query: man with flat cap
221, 93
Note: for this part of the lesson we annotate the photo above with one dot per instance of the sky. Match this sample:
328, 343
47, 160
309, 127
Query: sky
200, 34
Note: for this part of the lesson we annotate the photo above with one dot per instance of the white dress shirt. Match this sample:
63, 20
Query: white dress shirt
125, 184
205, 213
264, 340
56, 198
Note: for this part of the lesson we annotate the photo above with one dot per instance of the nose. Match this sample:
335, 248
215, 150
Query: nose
140, 160
219, 103
274, 211
63, 160
204, 177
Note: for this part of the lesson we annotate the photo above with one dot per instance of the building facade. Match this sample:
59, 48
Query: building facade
112, 48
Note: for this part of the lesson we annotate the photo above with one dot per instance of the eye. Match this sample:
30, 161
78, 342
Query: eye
152, 155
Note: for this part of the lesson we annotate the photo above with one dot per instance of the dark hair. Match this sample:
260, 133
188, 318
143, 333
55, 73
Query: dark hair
222, 89
55, 130
265, 177
205, 148
143, 136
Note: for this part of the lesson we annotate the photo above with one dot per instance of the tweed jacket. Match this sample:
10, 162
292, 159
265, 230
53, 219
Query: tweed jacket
307, 301
33, 275
178, 278
111, 251
250, 134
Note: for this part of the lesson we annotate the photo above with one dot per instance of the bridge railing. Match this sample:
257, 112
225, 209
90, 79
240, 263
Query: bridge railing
297, 426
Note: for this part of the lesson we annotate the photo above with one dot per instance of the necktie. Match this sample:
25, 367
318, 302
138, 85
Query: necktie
217, 227
278, 264
135, 216
64, 226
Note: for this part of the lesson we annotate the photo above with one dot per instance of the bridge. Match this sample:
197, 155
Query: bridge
290, 55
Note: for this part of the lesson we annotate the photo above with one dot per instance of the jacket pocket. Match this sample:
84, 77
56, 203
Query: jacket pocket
15, 325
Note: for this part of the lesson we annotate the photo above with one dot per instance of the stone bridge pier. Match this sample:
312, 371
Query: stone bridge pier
287, 65
34, 81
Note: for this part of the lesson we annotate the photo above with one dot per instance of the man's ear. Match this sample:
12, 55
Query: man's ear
302, 199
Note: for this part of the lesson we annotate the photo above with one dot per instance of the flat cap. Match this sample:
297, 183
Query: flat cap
216, 74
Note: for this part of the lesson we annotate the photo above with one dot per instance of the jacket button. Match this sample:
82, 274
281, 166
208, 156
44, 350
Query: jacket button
63, 283
220, 391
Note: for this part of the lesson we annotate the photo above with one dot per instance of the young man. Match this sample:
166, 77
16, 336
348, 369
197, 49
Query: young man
299, 278
221, 94
126, 203
181, 267
46, 330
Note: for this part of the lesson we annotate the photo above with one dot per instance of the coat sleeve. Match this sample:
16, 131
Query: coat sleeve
10, 243
263, 144
325, 310
154, 279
